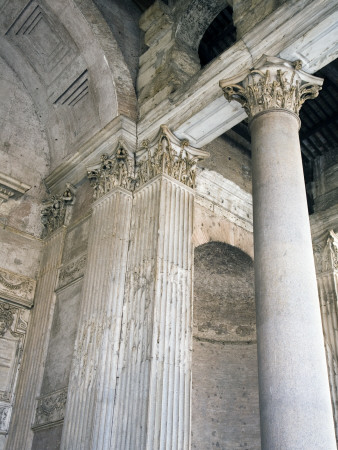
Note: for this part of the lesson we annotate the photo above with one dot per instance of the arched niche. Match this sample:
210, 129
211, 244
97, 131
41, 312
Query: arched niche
195, 18
225, 411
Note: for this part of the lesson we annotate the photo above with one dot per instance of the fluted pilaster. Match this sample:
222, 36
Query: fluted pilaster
152, 408
326, 258
91, 393
20, 436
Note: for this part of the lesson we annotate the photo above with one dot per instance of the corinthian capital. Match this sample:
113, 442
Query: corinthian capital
168, 155
273, 83
112, 171
53, 214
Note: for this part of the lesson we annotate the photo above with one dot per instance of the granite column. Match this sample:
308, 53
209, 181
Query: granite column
295, 404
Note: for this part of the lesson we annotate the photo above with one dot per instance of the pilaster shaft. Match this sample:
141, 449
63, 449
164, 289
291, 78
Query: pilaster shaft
91, 393
153, 394
53, 216
32, 368
326, 258
295, 405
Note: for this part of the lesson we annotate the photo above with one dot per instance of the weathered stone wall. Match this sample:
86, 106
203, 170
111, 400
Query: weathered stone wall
325, 185
23, 153
223, 207
225, 412
122, 17
230, 160
247, 14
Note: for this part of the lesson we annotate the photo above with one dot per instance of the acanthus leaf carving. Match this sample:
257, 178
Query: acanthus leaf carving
53, 214
113, 171
273, 84
168, 155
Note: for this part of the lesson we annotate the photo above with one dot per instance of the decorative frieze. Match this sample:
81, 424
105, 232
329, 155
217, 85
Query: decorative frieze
53, 215
13, 327
72, 271
274, 83
50, 409
17, 288
167, 155
114, 171
9, 187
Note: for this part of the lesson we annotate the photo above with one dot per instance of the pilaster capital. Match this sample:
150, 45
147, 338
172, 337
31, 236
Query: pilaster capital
113, 171
326, 254
168, 155
53, 214
273, 83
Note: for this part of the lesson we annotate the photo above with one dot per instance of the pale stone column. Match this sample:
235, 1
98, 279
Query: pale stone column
91, 393
31, 371
295, 406
326, 259
154, 378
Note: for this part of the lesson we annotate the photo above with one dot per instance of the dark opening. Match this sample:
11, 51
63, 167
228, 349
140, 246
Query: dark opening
220, 35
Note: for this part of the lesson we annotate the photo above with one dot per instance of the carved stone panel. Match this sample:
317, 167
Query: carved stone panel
5, 415
72, 271
13, 326
17, 288
50, 409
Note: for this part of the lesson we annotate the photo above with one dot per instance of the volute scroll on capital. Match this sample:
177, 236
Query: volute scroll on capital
273, 83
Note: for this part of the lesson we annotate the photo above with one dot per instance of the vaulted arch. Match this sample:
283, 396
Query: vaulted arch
72, 67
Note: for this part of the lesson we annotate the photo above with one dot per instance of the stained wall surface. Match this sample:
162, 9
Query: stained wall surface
225, 413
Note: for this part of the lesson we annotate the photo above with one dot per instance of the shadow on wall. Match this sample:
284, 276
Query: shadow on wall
225, 410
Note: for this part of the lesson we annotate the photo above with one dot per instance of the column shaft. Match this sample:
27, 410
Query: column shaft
295, 406
153, 395
91, 394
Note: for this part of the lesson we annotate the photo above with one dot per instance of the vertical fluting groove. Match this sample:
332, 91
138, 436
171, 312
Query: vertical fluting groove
113, 311
152, 204
163, 308
134, 364
328, 295
30, 380
88, 420
152, 388
178, 357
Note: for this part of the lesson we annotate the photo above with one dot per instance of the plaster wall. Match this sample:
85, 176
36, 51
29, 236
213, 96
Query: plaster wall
23, 153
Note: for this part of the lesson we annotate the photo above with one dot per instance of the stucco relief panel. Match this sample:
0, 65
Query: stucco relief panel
13, 327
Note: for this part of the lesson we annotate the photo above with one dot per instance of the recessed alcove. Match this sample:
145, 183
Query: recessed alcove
225, 413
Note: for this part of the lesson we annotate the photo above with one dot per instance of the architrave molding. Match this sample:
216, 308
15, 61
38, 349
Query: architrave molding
74, 169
